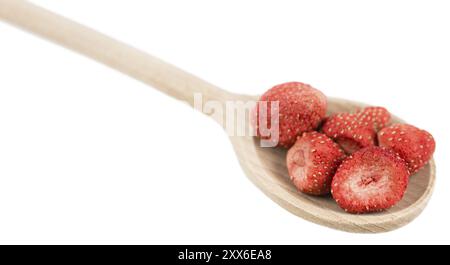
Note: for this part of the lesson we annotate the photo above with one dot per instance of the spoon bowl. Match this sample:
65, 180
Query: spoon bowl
266, 168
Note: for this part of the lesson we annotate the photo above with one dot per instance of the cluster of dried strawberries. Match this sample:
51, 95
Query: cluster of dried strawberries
362, 159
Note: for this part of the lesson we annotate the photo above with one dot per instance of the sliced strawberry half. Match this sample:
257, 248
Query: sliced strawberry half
353, 131
350, 133
372, 179
312, 162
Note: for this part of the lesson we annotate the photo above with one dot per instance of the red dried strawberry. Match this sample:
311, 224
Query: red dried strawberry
349, 132
312, 162
414, 145
378, 117
301, 108
353, 131
372, 179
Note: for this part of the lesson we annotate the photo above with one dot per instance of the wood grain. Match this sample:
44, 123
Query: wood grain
265, 167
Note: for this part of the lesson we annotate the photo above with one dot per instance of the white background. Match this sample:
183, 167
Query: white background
88, 155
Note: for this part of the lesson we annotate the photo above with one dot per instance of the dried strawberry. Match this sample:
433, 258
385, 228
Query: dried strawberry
353, 131
372, 179
414, 145
312, 162
301, 108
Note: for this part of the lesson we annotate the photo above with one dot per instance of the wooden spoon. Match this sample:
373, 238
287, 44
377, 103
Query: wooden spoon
265, 167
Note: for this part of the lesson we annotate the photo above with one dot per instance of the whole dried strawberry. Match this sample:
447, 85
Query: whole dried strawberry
353, 131
414, 145
300, 107
372, 179
312, 162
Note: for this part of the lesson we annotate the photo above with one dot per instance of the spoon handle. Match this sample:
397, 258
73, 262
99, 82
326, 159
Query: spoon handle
126, 59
